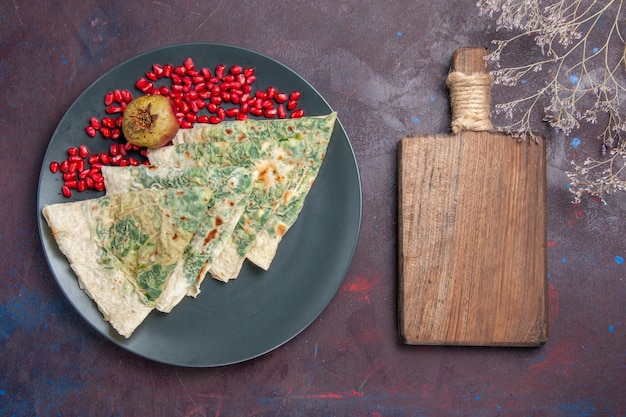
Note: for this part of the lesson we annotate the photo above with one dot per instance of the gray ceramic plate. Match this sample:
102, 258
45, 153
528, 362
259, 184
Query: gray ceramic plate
261, 310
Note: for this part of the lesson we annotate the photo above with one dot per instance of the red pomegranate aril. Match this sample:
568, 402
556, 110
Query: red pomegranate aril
105, 158
292, 105
74, 157
236, 69
93, 159
68, 176
270, 112
109, 98
84, 173
297, 114
114, 109
232, 112
116, 133
71, 184
282, 113
179, 70
96, 167
66, 191
89, 182
294, 96
106, 132
235, 98
132, 161
260, 94
214, 120
117, 96
99, 186
64, 166
267, 104
94, 122
251, 79
221, 113
246, 88
256, 111
219, 70
202, 119
244, 108
83, 151
248, 72
270, 92
54, 167
226, 96
206, 73
81, 186
127, 96
91, 131
167, 70
190, 117
122, 150
158, 70
242, 116
193, 106
281, 97
185, 124
109, 122
124, 162
188, 63
73, 151
114, 149
151, 76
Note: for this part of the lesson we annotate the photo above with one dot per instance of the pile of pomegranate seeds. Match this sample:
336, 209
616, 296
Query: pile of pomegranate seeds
198, 95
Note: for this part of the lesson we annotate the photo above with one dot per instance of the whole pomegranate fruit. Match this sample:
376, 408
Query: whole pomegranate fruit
150, 121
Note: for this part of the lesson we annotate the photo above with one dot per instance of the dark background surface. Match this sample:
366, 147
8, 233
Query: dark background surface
381, 66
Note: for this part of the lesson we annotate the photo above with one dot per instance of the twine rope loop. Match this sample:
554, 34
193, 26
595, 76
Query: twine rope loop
470, 99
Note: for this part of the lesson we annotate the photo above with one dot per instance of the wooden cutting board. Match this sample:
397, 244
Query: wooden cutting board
472, 233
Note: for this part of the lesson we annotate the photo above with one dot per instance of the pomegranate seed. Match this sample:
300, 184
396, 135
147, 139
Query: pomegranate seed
94, 122
248, 72
71, 184
106, 132
89, 182
99, 186
54, 167
250, 80
114, 149
117, 96
270, 92
73, 151
206, 73
64, 166
67, 176
232, 112
202, 119
114, 109
270, 112
180, 70
91, 131
185, 124
81, 186
84, 174
132, 161
189, 64
93, 159
83, 151
158, 70
116, 133
256, 111
214, 120
109, 122
297, 114
282, 113
105, 158
167, 70
127, 96
151, 76
281, 97
221, 113
66, 191
219, 71
109, 98
294, 96
292, 105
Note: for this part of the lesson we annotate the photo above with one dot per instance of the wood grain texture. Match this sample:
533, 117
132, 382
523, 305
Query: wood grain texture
472, 237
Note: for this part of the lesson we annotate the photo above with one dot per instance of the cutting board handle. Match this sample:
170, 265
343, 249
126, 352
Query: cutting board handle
470, 84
